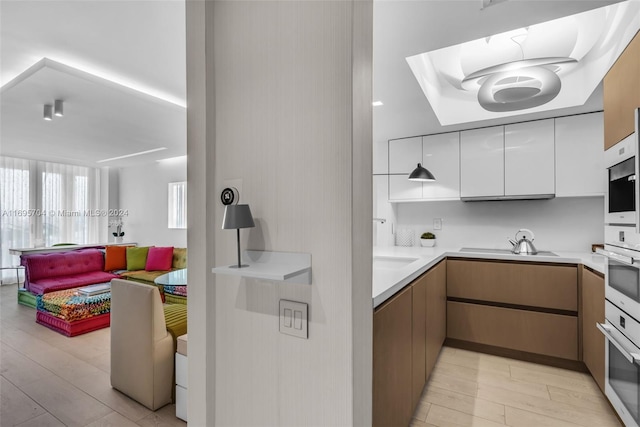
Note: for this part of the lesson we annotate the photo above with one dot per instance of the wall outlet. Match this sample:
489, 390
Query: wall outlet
294, 318
437, 223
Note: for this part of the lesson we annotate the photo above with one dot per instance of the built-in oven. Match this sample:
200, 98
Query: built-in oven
622, 187
622, 277
622, 362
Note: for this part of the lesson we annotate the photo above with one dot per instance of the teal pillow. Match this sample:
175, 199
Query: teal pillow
137, 257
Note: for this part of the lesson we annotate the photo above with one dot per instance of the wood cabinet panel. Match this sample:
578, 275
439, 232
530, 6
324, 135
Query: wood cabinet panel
621, 95
547, 286
592, 308
436, 313
534, 332
419, 334
392, 361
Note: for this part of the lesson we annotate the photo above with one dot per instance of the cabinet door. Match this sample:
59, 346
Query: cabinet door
621, 95
529, 166
419, 335
441, 156
404, 155
392, 362
482, 162
579, 155
436, 313
593, 343
400, 188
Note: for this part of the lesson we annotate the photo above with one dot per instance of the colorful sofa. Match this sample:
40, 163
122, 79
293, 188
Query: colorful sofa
147, 275
57, 271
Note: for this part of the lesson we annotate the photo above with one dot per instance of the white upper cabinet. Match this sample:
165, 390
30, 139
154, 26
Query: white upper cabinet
400, 188
482, 162
404, 155
579, 155
441, 156
529, 166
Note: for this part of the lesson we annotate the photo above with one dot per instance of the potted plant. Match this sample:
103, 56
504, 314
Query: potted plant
428, 239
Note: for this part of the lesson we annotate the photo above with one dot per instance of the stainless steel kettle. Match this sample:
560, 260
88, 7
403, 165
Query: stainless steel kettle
523, 246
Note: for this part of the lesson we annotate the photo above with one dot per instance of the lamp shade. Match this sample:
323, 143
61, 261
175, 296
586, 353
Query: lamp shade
421, 174
237, 216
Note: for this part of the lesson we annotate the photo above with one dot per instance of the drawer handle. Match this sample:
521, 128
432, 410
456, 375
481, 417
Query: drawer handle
607, 332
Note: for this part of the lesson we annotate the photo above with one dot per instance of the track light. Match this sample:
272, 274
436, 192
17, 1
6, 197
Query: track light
48, 112
58, 108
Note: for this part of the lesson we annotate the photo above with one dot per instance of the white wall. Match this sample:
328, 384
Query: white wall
288, 112
144, 194
560, 224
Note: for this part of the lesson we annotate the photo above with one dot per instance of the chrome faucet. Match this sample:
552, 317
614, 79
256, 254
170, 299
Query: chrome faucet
380, 220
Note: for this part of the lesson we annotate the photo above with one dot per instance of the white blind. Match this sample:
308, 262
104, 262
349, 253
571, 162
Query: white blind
43, 203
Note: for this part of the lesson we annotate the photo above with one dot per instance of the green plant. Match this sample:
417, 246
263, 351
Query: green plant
428, 236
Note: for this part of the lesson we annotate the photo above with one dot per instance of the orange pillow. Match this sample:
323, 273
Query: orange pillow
115, 258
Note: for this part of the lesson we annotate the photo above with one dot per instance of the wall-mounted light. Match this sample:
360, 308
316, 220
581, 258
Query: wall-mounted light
421, 174
237, 216
48, 112
58, 108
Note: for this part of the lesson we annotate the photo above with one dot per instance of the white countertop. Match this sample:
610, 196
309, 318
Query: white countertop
386, 282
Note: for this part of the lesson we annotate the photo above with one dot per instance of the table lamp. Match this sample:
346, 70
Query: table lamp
237, 216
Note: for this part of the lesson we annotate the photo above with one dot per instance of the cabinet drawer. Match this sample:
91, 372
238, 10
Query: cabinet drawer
181, 370
535, 285
530, 331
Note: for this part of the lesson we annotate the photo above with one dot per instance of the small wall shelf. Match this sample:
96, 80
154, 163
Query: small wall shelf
282, 266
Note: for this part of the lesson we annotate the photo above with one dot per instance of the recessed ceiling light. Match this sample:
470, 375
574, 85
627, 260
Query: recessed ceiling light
172, 159
131, 155
48, 112
377, 103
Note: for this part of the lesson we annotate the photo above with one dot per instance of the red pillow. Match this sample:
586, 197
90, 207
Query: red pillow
115, 258
159, 258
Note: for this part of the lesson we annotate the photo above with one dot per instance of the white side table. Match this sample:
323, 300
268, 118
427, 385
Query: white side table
181, 378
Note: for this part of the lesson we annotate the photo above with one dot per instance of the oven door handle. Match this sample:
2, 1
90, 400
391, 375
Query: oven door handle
620, 258
606, 331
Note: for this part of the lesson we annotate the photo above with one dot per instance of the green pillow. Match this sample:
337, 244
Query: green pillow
137, 258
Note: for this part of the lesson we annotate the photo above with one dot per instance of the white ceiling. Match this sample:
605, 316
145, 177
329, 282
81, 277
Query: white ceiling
141, 45
407, 28
119, 66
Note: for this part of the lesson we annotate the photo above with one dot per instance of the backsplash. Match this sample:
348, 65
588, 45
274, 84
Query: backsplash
561, 224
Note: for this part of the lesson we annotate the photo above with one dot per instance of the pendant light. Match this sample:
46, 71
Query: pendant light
421, 174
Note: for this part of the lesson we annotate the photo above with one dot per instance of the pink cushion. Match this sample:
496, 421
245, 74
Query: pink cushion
56, 264
159, 258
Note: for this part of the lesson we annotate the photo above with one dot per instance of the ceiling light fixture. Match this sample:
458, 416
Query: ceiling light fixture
131, 155
58, 108
421, 174
48, 112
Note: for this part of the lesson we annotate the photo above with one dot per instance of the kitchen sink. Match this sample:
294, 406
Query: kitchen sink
391, 262
502, 251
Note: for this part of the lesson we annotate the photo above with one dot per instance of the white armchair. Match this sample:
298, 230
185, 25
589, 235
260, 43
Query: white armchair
142, 351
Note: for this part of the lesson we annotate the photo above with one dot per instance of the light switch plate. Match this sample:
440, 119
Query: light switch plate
294, 318
437, 223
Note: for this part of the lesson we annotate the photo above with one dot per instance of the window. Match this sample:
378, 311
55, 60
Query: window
43, 203
177, 205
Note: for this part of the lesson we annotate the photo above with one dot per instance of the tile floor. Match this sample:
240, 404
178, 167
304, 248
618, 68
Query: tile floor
47, 379
475, 389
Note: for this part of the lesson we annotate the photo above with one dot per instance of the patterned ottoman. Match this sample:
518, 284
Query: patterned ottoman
71, 313
175, 294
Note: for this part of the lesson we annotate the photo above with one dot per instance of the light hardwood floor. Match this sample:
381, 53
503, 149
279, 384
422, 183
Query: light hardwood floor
475, 389
47, 379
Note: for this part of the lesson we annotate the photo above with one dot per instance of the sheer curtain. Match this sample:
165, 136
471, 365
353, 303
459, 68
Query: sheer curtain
43, 203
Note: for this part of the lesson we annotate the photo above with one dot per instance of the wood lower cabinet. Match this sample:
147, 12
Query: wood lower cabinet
392, 361
419, 337
526, 307
534, 332
621, 95
592, 308
408, 333
436, 314
548, 286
